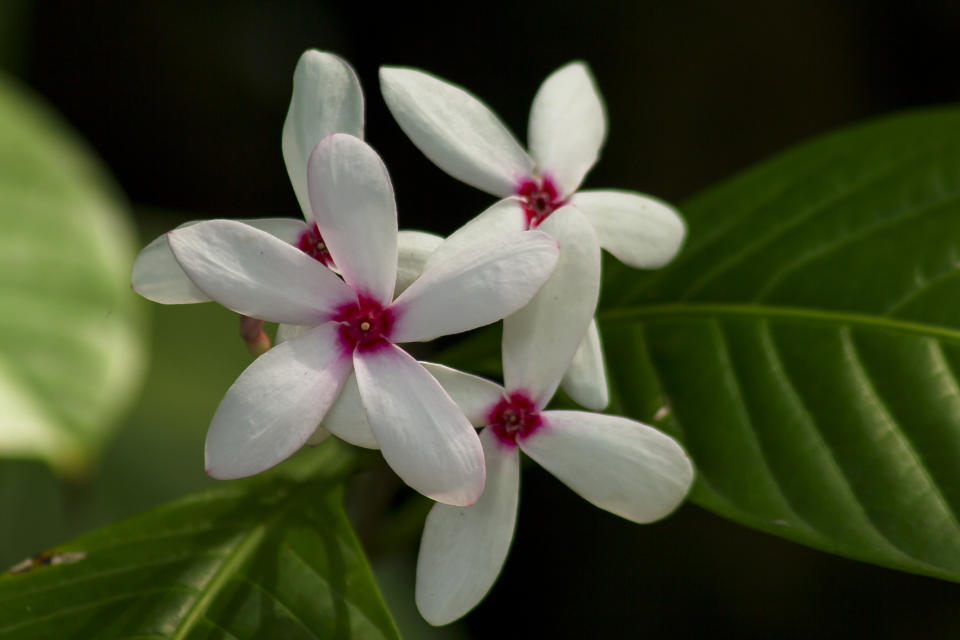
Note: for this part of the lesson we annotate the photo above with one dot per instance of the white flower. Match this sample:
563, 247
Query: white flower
567, 129
547, 329
622, 466
326, 99
278, 401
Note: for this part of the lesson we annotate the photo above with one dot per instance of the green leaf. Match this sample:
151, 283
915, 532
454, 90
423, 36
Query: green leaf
271, 557
71, 345
805, 345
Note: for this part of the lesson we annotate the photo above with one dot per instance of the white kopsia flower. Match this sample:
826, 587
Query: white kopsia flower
547, 328
326, 99
622, 466
278, 401
567, 128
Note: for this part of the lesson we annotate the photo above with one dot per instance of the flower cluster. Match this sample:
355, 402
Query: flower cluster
348, 288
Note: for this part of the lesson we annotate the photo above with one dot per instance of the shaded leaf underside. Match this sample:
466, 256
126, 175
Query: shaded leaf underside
255, 559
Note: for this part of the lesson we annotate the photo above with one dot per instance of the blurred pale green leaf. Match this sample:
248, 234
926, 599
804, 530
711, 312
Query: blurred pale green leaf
156, 454
71, 345
270, 557
805, 345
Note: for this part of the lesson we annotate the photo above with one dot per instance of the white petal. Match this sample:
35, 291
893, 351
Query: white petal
413, 250
586, 379
501, 219
286, 229
479, 285
355, 212
256, 274
326, 99
347, 419
276, 404
640, 231
424, 436
567, 126
476, 396
463, 548
287, 332
539, 340
460, 134
320, 435
157, 275
619, 465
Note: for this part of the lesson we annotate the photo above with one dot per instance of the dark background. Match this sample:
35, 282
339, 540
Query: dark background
185, 101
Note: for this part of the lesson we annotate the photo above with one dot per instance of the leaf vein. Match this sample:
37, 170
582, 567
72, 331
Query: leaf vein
850, 347
90, 577
701, 479
216, 625
920, 290
790, 389
709, 309
87, 605
729, 223
737, 257
741, 409
286, 545
246, 547
276, 598
865, 232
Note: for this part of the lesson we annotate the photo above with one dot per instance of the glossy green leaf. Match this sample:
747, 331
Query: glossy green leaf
805, 345
71, 347
271, 557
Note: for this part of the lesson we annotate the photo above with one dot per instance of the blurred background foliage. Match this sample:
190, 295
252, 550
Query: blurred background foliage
184, 103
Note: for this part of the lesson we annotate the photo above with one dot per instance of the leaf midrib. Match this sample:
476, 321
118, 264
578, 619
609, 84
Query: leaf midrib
823, 316
248, 545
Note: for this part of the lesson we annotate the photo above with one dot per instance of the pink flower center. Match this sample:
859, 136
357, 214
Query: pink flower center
540, 198
312, 244
514, 417
364, 325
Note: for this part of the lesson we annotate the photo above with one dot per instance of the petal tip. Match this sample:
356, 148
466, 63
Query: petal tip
459, 498
216, 473
431, 610
597, 404
315, 55
465, 496
390, 76
213, 467
437, 620
579, 65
